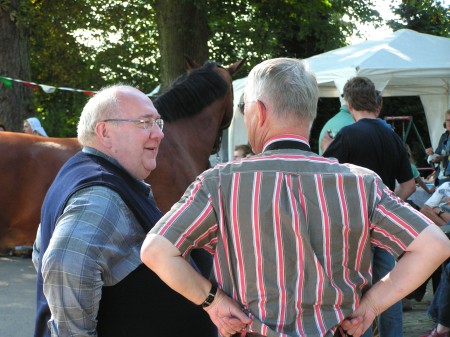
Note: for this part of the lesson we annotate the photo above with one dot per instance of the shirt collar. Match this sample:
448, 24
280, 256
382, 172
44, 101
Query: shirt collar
286, 138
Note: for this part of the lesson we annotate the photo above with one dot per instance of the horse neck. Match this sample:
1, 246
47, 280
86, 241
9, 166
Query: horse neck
198, 133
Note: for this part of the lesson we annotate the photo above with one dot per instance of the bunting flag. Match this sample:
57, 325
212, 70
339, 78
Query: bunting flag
48, 89
7, 82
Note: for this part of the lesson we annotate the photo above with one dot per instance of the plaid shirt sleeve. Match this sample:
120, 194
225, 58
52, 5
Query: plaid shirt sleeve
86, 252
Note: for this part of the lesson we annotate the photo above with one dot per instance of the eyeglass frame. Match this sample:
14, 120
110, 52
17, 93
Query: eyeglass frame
241, 106
146, 123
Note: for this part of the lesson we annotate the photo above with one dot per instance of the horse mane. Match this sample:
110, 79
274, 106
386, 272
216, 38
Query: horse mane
191, 93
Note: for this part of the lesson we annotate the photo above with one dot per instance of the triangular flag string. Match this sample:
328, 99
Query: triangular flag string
48, 89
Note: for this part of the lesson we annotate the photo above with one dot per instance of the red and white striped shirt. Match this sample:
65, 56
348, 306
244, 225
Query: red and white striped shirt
291, 233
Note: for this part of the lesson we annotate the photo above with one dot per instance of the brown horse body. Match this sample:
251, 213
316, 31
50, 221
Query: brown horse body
28, 166
30, 163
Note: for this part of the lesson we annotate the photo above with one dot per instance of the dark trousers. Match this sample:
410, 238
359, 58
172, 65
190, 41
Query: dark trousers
439, 309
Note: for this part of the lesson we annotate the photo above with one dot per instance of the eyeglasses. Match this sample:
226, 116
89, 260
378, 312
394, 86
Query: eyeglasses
241, 106
142, 123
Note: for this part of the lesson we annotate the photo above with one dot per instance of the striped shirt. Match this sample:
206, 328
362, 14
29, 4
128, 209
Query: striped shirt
291, 233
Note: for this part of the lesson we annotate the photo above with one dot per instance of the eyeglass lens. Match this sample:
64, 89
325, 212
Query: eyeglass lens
241, 107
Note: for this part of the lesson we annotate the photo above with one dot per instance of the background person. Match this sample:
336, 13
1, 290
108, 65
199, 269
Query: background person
33, 126
291, 232
94, 219
242, 151
370, 143
418, 179
342, 120
2, 127
437, 206
334, 124
440, 157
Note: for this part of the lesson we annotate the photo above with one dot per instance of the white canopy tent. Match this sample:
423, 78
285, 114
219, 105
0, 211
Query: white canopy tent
405, 63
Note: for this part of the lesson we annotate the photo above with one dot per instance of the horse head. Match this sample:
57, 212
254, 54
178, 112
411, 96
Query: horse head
203, 88
226, 74
197, 107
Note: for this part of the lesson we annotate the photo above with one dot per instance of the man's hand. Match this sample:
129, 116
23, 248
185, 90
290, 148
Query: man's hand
435, 158
227, 315
361, 319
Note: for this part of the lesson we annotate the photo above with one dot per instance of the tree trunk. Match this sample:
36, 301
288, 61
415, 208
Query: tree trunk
15, 102
183, 30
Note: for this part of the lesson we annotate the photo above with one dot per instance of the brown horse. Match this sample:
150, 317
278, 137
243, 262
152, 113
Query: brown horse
28, 166
196, 109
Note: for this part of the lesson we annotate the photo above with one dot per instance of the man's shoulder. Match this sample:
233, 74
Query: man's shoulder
98, 195
339, 121
356, 170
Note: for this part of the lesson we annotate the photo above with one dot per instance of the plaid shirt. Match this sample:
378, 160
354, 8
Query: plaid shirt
88, 250
291, 234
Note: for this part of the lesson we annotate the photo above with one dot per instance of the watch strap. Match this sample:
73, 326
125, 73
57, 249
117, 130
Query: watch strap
211, 296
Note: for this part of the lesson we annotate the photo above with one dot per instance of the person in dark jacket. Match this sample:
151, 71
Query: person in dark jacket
440, 157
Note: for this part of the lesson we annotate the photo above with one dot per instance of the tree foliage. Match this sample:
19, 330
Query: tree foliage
261, 29
102, 42
87, 44
425, 16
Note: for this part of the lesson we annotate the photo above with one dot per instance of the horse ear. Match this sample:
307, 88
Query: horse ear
190, 63
235, 67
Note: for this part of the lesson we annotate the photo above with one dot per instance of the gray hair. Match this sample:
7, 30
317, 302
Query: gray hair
103, 105
287, 85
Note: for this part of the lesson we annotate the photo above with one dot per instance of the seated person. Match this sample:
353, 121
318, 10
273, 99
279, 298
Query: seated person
437, 207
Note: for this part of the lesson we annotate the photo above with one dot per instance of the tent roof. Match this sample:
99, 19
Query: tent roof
405, 63
408, 62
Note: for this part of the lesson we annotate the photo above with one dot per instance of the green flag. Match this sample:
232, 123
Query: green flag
7, 82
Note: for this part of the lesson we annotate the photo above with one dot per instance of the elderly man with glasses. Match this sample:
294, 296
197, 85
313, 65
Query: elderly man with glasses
94, 219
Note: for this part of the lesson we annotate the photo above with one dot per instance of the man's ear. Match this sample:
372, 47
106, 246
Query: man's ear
103, 136
262, 112
350, 108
